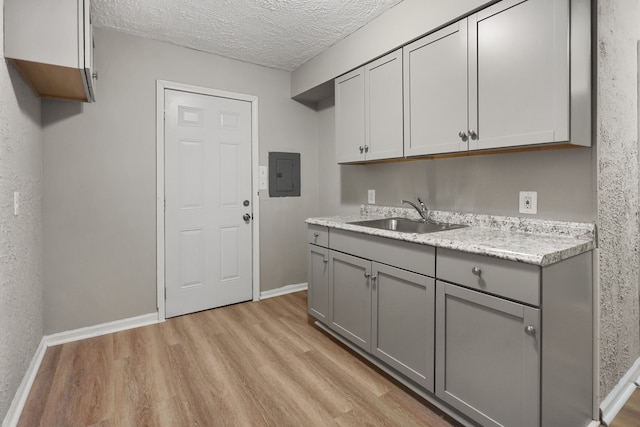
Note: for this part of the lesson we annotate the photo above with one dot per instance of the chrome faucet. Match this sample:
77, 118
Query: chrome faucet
422, 210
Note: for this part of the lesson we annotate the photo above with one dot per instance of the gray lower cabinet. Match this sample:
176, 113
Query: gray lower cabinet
402, 332
382, 299
386, 311
318, 276
498, 342
487, 357
350, 298
318, 272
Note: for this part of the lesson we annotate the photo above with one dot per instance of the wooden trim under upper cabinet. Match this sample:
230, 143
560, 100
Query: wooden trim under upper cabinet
473, 153
52, 81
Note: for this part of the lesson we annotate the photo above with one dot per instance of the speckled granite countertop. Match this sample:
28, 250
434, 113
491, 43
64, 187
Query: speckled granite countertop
530, 241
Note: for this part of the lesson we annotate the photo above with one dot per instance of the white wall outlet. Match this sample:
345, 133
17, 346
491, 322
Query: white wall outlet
529, 202
262, 178
371, 197
16, 203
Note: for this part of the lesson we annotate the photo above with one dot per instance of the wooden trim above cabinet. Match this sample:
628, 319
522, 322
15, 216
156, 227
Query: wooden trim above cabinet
52, 81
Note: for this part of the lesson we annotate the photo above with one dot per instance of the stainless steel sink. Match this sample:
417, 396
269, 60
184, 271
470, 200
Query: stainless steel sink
405, 225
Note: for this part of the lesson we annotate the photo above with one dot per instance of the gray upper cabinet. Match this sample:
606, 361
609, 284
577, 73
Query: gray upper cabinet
51, 45
435, 92
350, 117
369, 111
499, 78
488, 357
519, 80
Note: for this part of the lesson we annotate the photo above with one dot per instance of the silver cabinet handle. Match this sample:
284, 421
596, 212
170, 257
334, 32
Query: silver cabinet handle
473, 135
530, 330
316, 235
373, 281
463, 135
366, 148
476, 271
367, 274
374, 277
325, 260
361, 149
246, 217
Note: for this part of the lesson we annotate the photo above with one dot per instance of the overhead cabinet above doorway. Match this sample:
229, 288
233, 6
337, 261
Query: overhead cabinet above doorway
500, 78
51, 44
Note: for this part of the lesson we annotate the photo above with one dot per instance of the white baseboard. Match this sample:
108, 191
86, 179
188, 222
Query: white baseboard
20, 398
614, 402
284, 290
102, 329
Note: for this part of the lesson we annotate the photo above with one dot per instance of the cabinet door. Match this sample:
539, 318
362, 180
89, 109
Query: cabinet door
350, 298
435, 92
487, 364
350, 117
383, 101
519, 73
403, 322
87, 48
318, 293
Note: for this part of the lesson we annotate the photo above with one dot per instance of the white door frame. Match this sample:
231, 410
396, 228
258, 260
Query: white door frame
161, 85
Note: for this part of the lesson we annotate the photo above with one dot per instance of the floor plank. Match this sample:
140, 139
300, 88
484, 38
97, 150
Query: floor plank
629, 416
253, 364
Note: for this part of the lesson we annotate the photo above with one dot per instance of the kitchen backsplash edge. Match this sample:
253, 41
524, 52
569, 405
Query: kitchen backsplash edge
506, 223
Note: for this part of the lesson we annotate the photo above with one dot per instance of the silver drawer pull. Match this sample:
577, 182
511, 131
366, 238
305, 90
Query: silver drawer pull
530, 330
476, 271
325, 260
316, 235
367, 274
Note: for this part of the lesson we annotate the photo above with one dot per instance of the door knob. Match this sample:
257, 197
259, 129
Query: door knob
530, 330
476, 271
246, 217
462, 135
473, 135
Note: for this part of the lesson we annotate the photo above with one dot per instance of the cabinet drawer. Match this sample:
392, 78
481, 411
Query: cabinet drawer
406, 255
508, 279
318, 235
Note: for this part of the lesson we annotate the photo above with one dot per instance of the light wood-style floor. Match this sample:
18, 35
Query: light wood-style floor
252, 364
629, 416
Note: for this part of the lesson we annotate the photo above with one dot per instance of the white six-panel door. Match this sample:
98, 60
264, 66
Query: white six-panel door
208, 238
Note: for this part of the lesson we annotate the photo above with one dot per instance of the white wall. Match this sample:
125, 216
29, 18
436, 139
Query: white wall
20, 236
100, 170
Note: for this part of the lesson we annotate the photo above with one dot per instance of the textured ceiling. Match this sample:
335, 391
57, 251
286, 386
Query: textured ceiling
281, 34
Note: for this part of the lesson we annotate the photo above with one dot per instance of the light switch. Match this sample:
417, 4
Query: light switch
262, 178
16, 203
